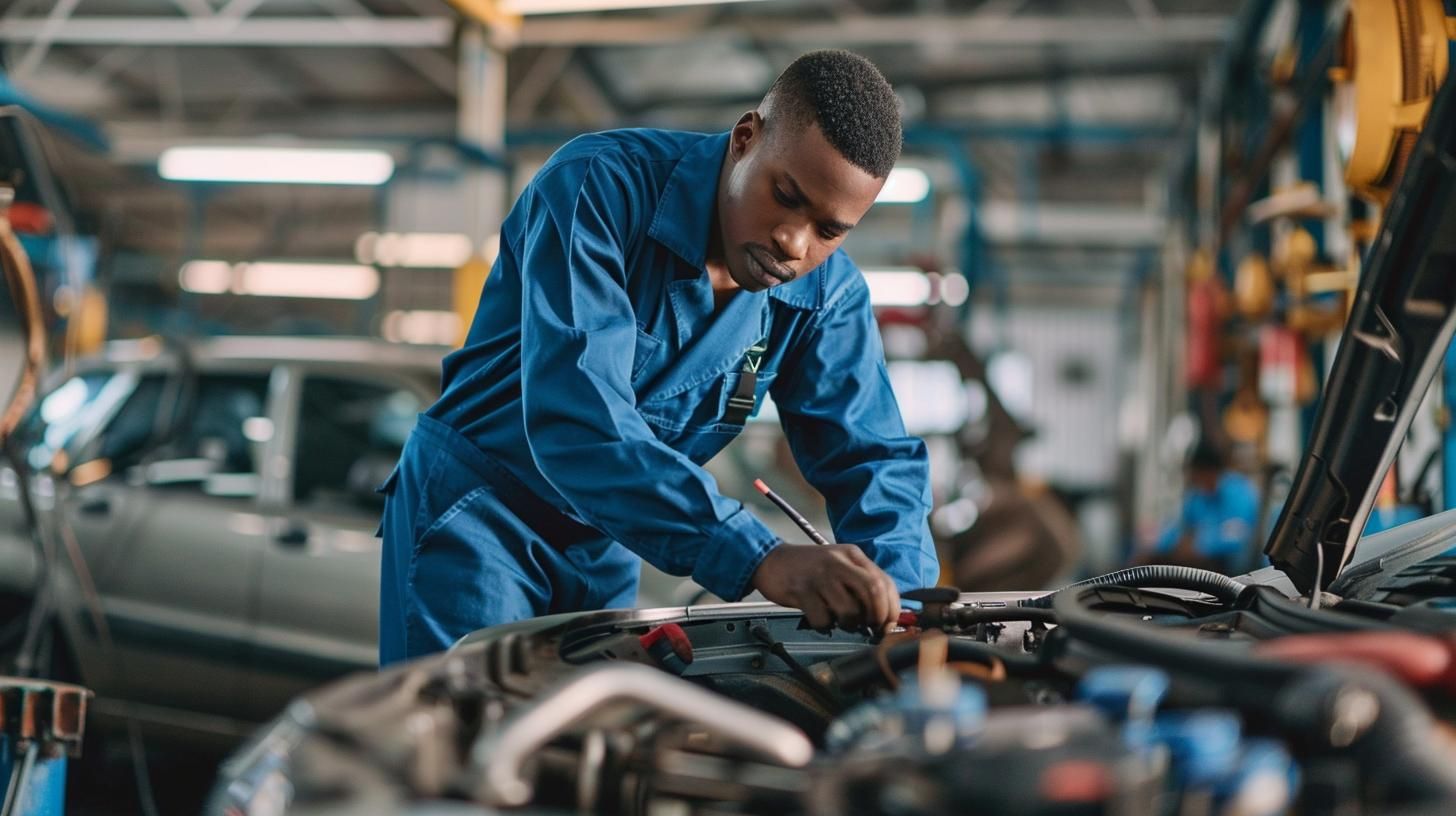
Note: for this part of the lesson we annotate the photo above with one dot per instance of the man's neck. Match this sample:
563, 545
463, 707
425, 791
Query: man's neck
715, 259
724, 287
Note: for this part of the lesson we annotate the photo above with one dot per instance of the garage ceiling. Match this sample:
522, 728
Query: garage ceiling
1075, 101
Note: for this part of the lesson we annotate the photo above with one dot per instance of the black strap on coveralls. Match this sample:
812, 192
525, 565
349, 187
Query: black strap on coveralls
745, 397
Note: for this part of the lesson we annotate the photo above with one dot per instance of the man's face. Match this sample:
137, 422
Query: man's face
1203, 479
788, 201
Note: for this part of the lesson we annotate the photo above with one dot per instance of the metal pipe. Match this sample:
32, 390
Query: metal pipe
499, 757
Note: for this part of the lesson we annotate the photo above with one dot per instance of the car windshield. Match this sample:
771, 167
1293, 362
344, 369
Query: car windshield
55, 430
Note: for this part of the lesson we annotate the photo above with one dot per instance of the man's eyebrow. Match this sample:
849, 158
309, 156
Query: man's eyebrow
798, 192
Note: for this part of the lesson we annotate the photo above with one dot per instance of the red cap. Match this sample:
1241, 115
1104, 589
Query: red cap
762, 488
676, 638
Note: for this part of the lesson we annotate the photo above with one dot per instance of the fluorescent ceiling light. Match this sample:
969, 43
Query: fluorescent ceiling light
528, 7
907, 286
307, 280
898, 287
206, 277
277, 165
954, 289
905, 185
281, 279
423, 250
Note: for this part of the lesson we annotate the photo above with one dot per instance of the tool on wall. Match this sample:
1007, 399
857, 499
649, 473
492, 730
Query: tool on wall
1383, 93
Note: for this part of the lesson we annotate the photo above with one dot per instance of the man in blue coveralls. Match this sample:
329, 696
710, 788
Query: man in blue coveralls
1215, 525
652, 288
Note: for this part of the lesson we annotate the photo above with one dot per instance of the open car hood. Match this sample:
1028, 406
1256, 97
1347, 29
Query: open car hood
1393, 343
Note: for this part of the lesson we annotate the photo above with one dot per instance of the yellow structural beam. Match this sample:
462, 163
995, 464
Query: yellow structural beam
489, 14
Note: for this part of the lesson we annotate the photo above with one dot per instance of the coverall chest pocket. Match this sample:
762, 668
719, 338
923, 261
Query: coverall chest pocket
694, 423
645, 356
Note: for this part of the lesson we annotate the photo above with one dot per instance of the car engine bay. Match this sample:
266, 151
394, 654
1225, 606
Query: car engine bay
1155, 690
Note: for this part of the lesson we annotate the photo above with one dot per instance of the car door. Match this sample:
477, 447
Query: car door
318, 601
178, 583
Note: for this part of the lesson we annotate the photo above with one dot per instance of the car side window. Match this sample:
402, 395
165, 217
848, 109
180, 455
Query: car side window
60, 421
216, 447
350, 434
133, 430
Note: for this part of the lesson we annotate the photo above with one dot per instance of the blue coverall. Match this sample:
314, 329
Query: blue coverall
1221, 522
593, 386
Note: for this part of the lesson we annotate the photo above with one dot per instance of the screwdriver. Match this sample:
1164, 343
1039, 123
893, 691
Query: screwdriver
803, 524
793, 514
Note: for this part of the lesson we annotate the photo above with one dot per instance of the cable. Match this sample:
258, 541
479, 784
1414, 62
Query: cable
763, 635
1319, 571
1166, 576
140, 769
858, 670
972, 615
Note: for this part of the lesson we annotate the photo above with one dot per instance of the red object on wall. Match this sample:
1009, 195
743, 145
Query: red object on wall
1203, 324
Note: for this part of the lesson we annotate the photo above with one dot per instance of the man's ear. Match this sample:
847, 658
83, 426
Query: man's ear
747, 132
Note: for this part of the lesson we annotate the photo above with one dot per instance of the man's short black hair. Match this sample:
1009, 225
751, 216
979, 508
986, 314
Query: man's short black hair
851, 101
1207, 456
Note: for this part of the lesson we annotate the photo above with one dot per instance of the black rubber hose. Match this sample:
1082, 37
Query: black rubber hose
1369, 609
1164, 576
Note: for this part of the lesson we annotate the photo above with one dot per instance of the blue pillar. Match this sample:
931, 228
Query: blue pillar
1313, 22
44, 724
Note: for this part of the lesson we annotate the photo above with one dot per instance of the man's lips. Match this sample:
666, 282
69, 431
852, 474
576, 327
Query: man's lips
766, 269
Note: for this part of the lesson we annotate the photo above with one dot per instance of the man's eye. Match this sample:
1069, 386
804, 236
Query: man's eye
784, 198
829, 235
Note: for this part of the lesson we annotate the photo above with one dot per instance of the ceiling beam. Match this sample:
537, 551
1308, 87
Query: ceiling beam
899, 29
348, 32
903, 29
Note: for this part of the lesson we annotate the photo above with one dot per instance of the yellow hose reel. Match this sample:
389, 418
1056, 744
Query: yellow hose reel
1394, 58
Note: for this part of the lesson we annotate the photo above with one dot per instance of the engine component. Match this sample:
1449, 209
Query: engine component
500, 755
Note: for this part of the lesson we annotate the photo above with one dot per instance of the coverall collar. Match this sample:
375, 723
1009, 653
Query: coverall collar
684, 219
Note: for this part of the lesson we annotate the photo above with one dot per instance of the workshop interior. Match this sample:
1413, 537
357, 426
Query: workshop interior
1166, 287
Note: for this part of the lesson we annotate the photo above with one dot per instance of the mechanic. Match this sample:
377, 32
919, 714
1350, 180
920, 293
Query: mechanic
1215, 525
652, 289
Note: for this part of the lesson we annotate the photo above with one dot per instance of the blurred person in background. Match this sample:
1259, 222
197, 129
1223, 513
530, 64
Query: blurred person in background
1215, 525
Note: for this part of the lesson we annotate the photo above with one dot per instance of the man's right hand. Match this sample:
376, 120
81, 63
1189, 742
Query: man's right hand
832, 585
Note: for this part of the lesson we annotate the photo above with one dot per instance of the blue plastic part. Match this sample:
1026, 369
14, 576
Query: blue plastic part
44, 790
1264, 782
1203, 746
907, 714
1124, 693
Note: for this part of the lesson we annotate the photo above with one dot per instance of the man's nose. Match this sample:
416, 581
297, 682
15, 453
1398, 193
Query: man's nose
792, 241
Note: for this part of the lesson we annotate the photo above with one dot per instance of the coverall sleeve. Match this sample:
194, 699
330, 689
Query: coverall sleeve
578, 330
844, 428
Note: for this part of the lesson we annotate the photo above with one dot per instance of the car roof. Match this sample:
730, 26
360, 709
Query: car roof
330, 350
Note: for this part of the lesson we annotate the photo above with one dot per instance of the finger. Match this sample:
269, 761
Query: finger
843, 604
870, 595
892, 597
815, 613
